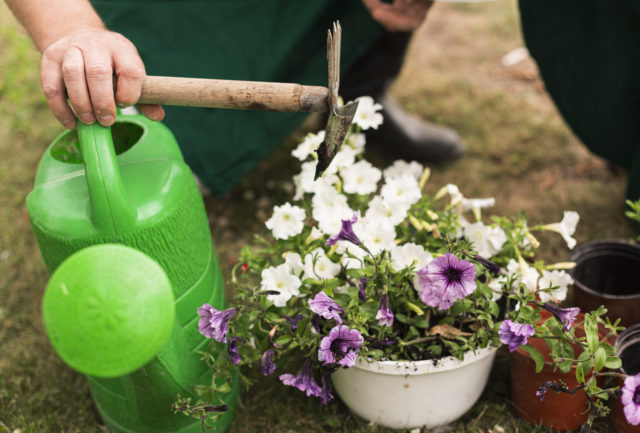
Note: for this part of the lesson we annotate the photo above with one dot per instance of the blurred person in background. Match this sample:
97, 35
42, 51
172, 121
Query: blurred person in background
85, 44
588, 54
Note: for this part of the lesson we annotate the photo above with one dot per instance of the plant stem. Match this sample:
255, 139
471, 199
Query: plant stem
417, 340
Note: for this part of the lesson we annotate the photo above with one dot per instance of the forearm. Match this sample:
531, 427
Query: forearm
49, 20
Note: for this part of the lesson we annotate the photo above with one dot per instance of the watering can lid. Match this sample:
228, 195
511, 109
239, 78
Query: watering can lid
108, 310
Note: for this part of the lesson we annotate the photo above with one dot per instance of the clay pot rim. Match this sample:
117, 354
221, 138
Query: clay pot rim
600, 244
622, 341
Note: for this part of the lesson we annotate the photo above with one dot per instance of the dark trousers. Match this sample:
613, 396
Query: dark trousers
372, 73
588, 53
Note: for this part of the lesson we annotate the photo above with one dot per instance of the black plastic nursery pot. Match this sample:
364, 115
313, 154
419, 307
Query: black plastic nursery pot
607, 272
628, 349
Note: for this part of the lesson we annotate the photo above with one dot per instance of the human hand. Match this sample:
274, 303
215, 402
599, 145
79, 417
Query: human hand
400, 15
81, 66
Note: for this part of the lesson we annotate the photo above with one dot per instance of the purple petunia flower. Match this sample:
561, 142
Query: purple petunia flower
362, 285
514, 334
341, 346
304, 381
557, 387
565, 315
385, 315
445, 280
323, 305
315, 323
232, 349
346, 232
293, 321
325, 393
488, 264
216, 408
268, 367
542, 389
631, 399
213, 323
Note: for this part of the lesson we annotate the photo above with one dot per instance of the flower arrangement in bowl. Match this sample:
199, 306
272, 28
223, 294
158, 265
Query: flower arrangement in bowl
365, 271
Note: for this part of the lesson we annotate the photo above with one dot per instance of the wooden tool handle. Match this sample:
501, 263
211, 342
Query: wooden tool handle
247, 95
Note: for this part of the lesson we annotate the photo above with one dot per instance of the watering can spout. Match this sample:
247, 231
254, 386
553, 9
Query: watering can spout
110, 209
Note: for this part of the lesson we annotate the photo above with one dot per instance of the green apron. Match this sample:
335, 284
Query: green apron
588, 53
277, 40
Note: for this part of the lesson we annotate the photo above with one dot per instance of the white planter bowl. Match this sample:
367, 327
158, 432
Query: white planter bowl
408, 394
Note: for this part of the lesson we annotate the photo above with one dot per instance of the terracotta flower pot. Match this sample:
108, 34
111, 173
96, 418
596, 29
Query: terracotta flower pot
606, 273
561, 411
628, 349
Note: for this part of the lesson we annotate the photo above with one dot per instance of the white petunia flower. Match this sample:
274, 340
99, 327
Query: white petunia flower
380, 211
376, 237
349, 262
409, 254
358, 142
345, 157
286, 221
329, 208
343, 290
566, 227
477, 204
496, 286
487, 240
367, 115
318, 266
308, 145
400, 168
280, 279
360, 178
524, 274
560, 279
401, 190
453, 191
294, 261
316, 234
304, 181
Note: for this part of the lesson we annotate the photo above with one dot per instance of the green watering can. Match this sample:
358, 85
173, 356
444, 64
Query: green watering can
123, 231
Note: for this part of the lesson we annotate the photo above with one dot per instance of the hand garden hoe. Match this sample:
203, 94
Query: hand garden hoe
256, 95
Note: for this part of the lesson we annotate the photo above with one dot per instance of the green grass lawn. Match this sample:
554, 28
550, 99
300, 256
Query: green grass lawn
518, 151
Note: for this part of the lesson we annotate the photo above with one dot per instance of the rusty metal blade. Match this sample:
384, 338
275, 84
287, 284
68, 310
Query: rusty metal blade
340, 117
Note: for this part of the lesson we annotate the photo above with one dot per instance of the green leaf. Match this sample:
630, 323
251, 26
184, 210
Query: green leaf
601, 358
608, 348
586, 361
494, 310
283, 340
415, 308
435, 349
271, 317
591, 331
579, 373
200, 389
402, 318
535, 355
613, 362
224, 388
375, 353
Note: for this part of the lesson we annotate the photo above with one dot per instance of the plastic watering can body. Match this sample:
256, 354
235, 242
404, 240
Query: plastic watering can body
129, 185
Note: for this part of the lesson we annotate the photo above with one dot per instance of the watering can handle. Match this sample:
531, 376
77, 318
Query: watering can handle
111, 211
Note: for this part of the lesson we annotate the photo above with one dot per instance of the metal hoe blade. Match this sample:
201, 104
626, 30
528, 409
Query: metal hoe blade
340, 117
